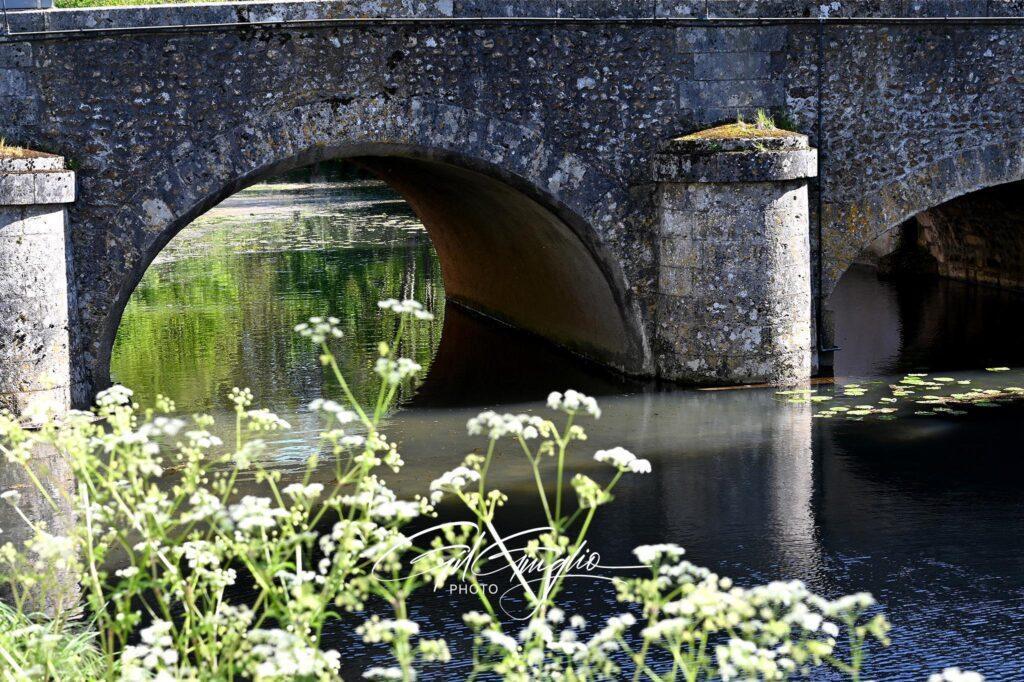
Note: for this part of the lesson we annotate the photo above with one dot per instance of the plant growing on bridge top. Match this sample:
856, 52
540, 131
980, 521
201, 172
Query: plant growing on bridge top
163, 533
763, 120
11, 151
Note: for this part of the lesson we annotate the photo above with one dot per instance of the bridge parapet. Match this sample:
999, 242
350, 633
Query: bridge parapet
299, 11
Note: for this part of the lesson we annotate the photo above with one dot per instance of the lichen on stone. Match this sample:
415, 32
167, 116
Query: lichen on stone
738, 130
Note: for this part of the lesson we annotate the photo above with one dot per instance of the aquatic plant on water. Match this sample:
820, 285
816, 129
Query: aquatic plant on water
917, 394
162, 532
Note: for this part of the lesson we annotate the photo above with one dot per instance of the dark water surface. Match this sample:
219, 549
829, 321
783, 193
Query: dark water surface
926, 512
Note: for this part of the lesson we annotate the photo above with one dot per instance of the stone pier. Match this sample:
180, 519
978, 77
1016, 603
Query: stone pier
34, 362
734, 267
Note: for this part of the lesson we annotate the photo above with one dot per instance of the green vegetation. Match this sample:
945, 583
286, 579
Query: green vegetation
917, 394
763, 120
198, 324
40, 648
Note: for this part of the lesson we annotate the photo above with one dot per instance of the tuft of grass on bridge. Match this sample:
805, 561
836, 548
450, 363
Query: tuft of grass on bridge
10, 152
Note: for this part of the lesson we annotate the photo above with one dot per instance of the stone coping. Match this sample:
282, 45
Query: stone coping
34, 180
314, 10
29, 161
748, 160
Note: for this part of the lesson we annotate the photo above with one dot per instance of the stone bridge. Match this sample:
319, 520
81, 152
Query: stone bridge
534, 139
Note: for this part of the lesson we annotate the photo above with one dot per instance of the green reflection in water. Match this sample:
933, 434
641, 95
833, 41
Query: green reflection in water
217, 308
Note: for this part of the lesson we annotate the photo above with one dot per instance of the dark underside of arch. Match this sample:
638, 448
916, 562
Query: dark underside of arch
505, 255
977, 237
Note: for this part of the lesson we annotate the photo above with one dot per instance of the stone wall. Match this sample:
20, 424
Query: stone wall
565, 102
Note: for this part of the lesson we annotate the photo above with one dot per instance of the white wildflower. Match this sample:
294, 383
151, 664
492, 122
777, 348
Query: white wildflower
396, 371
203, 439
387, 630
573, 402
353, 441
501, 640
623, 460
652, 554
497, 425
452, 482
265, 420
744, 660
57, 551
477, 620
204, 506
334, 409
277, 655
299, 491
319, 329
114, 396
255, 512
406, 307
396, 509
154, 654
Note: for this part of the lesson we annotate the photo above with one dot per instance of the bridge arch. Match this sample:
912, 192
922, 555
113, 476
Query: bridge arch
852, 230
513, 222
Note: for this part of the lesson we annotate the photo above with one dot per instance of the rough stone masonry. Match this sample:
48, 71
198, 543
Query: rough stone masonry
34, 361
524, 131
734, 281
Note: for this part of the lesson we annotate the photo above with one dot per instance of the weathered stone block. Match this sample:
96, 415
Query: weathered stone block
679, 8
674, 281
947, 8
53, 187
739, 39
764, 93
12, 83
16, 189
731, 66
14, 55
1005, 8
763, 8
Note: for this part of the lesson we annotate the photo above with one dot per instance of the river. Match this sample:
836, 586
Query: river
925, 510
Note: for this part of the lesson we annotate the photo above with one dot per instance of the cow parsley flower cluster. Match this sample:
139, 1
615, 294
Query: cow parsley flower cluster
255, 513
406, 307
320, 329
623, 460
573, 402
500, 425
453, 481
396, 371
338, 412
281, 655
